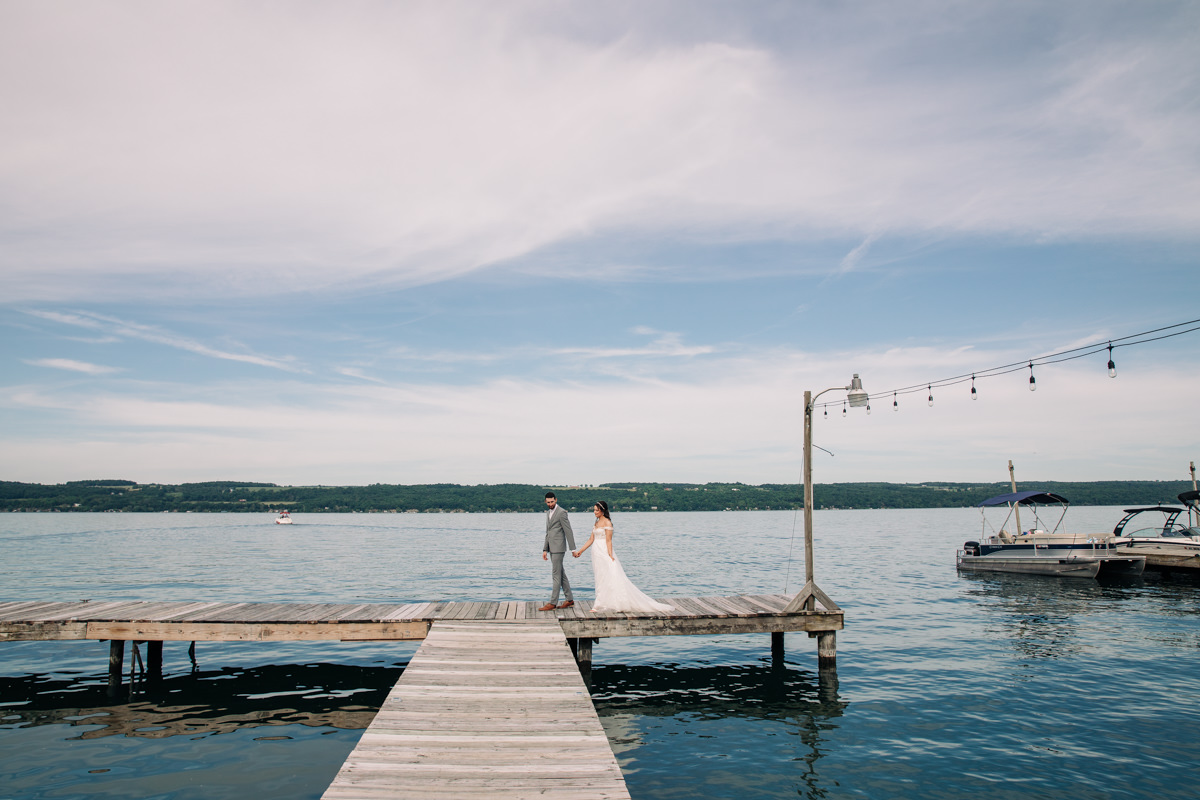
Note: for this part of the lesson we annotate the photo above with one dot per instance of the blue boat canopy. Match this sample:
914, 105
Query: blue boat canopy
1025, 499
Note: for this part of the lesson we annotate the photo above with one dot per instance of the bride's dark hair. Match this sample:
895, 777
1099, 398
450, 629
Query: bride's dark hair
604, 509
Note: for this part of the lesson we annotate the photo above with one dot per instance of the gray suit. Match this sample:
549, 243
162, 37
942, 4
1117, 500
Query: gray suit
559, 537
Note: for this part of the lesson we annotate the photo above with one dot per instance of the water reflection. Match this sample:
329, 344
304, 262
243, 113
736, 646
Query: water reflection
641, 703
202, 702
746, 690
1054, 618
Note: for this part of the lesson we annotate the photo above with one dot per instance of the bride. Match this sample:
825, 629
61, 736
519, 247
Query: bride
614, 591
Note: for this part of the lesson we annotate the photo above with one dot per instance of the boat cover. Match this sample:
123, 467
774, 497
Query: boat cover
1164, 509
1025, 499
1190, 498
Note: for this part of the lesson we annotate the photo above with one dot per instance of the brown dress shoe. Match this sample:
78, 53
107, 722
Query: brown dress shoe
567, 604
548, 607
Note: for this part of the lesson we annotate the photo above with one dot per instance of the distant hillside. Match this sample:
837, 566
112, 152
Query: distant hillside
113, 495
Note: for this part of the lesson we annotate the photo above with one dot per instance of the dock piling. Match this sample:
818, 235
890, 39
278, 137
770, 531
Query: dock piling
826, 649
777, 650
116, 660
583, 651
154, 650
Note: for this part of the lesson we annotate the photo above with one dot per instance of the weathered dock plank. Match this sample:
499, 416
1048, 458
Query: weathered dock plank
491, 709
213, 621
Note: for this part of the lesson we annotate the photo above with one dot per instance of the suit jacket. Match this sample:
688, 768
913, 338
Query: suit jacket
559, 536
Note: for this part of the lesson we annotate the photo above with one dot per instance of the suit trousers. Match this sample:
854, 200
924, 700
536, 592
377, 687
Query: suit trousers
560, 577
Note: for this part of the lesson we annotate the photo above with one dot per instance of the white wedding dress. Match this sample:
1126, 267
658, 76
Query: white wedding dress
614, 591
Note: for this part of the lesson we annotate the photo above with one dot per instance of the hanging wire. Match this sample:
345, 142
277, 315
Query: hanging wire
1144, 337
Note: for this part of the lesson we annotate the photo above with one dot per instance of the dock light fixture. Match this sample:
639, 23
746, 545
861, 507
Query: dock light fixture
1032, 380
856, 397
1112, 367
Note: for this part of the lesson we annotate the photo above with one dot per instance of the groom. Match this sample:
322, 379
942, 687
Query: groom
559, 537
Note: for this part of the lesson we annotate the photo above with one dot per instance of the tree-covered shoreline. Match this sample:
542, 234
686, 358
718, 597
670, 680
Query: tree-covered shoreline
237, 496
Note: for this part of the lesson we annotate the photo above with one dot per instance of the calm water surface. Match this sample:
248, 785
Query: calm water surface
998, 686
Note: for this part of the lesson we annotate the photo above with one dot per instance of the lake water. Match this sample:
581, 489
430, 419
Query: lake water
1000, 686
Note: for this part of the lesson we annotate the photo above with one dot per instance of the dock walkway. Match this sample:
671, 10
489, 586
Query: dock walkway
491, 705
128, 620
493, 709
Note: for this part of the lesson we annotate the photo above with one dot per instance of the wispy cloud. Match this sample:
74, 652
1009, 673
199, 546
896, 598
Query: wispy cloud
156, 335
355, 372
71, 365
666, 344
534, 126
851, 260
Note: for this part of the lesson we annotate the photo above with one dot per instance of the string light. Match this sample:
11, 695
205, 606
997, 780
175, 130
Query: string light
843, 408
1084, 351
868, 407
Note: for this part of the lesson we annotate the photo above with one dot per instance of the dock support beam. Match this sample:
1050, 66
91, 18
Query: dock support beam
116, 660
583, 651
154, 660
826, 649
777, 652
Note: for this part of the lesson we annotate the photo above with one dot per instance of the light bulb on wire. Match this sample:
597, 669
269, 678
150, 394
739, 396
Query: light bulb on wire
868, 408
1032, 380
895, 402
931, 396
1112, 367
974, 394
843, 408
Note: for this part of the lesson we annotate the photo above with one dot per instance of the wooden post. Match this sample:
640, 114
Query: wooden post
777, 648
1012, 479
583, 651
134, 664
811, 603
116, 659
827, 685
154, 660
826, 649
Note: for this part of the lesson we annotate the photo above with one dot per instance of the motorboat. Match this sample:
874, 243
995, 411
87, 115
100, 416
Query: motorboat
1037, 552
283, 519
1157, 533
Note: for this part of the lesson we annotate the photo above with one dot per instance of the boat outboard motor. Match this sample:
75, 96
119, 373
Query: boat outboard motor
971, 548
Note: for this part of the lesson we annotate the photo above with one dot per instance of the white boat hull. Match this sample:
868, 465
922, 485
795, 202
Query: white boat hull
1165, 555
1061, 567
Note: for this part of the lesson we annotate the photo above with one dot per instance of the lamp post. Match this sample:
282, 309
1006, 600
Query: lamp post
857, 398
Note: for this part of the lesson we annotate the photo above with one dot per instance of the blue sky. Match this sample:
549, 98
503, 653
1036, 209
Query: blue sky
575, 243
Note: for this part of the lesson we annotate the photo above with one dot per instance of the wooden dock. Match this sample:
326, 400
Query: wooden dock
493, 709
491, 705
126, 620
